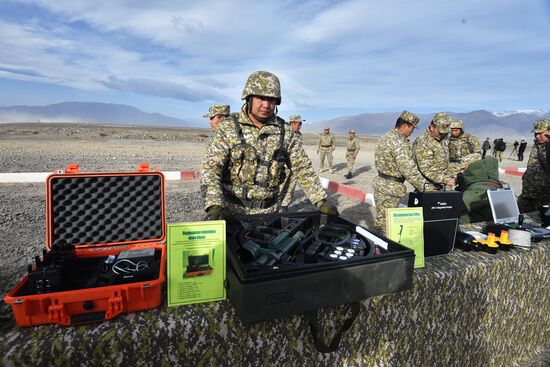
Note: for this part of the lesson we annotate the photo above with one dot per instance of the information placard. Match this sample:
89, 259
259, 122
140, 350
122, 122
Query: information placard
406, 227
196, 262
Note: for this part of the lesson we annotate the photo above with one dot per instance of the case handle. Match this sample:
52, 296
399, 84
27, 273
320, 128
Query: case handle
335, 342
88, 317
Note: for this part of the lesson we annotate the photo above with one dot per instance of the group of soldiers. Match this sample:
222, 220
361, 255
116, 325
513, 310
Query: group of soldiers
327, 145
435, 159
255, 159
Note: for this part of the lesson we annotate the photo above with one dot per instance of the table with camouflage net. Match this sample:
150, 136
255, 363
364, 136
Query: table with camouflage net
466, 308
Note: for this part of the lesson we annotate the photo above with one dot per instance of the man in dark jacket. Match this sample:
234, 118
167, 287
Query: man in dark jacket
521, 150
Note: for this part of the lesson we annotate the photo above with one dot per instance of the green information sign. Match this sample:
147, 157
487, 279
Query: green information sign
406, 226
196, 262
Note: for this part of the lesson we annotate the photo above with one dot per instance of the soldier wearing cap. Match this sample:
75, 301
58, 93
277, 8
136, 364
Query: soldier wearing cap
536, 179
431, 152
351, 152
394, 162
215, 113
289, 186
327, 144
464, 148
244, 166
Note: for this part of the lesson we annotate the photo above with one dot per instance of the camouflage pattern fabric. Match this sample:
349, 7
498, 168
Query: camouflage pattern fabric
464, 150
327, 144
351, 153
230, 167
393, 157
535, 186
290, 186
262, 83
432, 157
217, 109
466, 309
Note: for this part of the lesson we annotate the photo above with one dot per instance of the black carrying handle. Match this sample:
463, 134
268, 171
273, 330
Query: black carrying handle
335, 343
88, 317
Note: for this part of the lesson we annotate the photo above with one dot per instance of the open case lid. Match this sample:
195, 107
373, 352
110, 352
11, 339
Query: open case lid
90, 209
504, 206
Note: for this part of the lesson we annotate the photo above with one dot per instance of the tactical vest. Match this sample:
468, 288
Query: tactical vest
245, 159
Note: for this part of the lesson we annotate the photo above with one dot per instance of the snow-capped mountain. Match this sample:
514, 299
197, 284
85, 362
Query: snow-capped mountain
539, 113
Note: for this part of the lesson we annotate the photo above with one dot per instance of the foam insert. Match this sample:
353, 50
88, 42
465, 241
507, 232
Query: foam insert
106, 209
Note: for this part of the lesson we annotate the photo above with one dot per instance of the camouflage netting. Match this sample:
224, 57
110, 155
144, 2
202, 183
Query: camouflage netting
466, 309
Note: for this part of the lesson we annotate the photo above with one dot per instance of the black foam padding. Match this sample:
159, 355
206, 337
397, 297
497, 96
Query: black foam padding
106, 209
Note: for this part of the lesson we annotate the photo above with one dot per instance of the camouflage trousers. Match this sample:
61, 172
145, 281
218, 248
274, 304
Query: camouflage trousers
325, 153
350, 161
387, 194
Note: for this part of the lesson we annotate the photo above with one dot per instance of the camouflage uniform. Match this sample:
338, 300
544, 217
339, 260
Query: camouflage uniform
536, 181
394, 162
351, 152
290, 184
243, 171
432, 155
327, 144
464, 149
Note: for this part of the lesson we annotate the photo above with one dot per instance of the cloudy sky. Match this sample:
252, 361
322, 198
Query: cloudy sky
334, 58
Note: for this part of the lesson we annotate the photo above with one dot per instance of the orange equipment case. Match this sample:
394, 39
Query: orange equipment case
100, 214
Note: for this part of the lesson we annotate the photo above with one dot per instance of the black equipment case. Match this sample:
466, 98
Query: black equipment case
441, 210
305, 277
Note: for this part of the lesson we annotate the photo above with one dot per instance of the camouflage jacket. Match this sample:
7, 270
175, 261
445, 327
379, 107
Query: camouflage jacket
327, 141
432, 157
353, 148
393, 157
535, 178
464, 150
229, 167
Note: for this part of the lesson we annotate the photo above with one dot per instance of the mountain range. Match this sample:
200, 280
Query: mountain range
508, 124
480, 123
88, 112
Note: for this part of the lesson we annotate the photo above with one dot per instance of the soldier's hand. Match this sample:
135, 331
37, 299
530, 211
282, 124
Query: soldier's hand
327, 209
215, 212
451, 182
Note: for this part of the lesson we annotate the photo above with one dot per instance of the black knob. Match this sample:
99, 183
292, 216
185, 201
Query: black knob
88, 305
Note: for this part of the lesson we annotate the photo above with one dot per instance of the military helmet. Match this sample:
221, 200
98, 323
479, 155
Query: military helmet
262, 83
217, 109
457, 124
409, 117
540, 125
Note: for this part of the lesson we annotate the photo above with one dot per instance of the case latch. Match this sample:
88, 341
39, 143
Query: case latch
72, 168
143, 167
116, 306
57, 314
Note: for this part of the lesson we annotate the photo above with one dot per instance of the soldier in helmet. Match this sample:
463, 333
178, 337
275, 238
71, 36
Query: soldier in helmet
327, 144
351, 152
394, 162
464, 148
536, 179
431, 152
289, 186
215, 113
244, 166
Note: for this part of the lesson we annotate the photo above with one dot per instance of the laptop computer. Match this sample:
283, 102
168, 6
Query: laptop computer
504, 208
